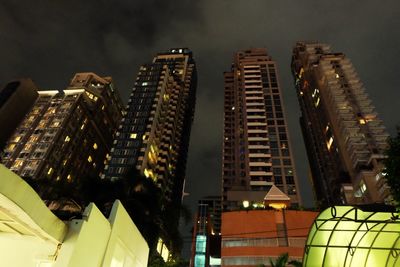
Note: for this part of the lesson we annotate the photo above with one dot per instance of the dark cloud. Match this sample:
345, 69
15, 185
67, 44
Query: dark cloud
51, 40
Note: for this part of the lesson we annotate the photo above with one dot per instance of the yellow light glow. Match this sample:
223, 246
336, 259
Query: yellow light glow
95, 146
301, 72
11, 147
246, 203
69, 177
50, 171
362, 121
277, 206
90, 159
133, 135
317, 102
67, 139
329, 143
337, 76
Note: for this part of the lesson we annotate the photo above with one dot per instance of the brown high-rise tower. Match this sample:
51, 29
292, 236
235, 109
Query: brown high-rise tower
344, 137
256, 150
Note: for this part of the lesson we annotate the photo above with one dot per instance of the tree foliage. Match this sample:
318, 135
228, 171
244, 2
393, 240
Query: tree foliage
157, 261
392, 164
283, 260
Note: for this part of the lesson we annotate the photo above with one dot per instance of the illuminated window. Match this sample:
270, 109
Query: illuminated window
83, 126
317, 102
301, 72
363, 187
67, 139
329, 143
144, 83
50, 171
10, 147
362, 121
337, 76
102, 108
69, 177
16, 139
315, 93
90, 159
18, 163
133, 135
95, 146
246, 203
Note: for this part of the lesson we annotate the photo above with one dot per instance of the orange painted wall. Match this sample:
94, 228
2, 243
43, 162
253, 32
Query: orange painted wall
262, 224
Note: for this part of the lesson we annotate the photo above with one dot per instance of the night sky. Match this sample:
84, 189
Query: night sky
49, 41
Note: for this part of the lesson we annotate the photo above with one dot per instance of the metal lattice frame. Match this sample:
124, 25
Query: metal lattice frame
347, 236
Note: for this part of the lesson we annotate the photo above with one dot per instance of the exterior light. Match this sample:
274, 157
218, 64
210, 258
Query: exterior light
348, 236
246, 204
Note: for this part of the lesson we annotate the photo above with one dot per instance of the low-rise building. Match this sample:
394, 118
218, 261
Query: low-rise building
251, 237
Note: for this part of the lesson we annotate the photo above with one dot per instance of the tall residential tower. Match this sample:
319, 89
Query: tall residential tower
256, 149
344, 137
153, 137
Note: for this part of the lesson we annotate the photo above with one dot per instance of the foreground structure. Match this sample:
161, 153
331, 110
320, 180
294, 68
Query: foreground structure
256, 149
30, 235
350, 236
344, 137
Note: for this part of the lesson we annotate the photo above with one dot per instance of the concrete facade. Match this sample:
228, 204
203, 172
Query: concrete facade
256, 147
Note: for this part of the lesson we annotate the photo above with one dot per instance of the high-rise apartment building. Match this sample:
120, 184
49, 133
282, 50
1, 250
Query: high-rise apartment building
345, 139
66, 134
256, 149
153, 136
16, 99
